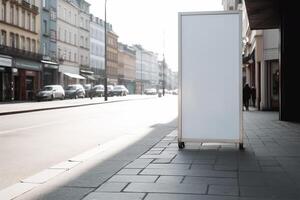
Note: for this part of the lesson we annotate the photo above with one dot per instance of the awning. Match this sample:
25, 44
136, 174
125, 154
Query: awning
263, 14
90, 77
77, 76
86, 72
49, 62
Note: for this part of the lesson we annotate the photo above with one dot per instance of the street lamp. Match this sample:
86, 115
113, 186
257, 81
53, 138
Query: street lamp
141, 71
105, 54
163, 69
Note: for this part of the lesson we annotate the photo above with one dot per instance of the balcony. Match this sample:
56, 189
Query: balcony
11, 51
25, 4
35, 9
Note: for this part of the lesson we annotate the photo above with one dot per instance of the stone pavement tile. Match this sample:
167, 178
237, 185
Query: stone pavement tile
153, 152
272, 169
162, 160
168, 166
249, 167
62, 193
133, 178
111, 187
169, 179
153, 196
268, 163
199, 166
90, 179
158, 156
167, 188
226, 167
210, 181
206, 173
129, 171
223, 190
204, 161
269, 192
251, 179
139, 163
114, 196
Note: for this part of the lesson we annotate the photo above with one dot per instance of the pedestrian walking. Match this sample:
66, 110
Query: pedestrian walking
253, 95
246, 96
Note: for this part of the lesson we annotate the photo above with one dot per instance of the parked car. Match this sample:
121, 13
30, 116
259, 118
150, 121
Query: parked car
151, 91
98, 91
120, 90
88, 89
110, 89
51, 92
74, 91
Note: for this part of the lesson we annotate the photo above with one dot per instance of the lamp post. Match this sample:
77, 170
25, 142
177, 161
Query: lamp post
141, 72
163, 69
105, 54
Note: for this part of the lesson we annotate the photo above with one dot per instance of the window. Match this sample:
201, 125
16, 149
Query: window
44, 3
33, 25
12, 14
3, 11
59, 33
75, 39
12, 40
70, 59
65, 14
59, 53
28, 21
28, 45
23, 18
81, 59
44, 48
53, 35
17, 43
70, 37
53, 14
86, 43
81, 41
33, 46
45, 26
65, 38
17, 17
75, 20
23, 46
3, 38
75, 57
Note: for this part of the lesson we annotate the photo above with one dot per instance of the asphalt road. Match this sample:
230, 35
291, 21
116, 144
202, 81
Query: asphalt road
31, 142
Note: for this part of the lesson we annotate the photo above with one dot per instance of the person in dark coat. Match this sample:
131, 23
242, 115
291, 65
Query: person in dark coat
253, 95
246, 96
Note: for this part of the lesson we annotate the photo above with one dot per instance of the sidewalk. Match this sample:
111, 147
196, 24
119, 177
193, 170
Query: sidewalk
269, 168
23, 107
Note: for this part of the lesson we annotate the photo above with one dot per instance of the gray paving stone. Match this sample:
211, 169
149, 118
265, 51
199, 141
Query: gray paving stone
111, 187
208, 181
199, 166
205, 173
168, 166
139, 163
162, 160
114, 196
152, 196
223, 190
129, 171
166, 188
226, 167
133, 178
170, 179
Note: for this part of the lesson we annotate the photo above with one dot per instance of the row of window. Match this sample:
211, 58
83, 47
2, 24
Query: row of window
97, 34
97, 50
17, 16
72, 17
71, 38
97, 64
18, 41
70, 56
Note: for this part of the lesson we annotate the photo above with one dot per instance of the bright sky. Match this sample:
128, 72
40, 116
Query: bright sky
151, 23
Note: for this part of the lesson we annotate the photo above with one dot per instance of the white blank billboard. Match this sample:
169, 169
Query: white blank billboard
210, 77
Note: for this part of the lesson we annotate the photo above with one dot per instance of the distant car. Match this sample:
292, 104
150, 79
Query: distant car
98, 91
151, 91
88, 89
110, 89
175, 92
74, 91
51, 92
120, 90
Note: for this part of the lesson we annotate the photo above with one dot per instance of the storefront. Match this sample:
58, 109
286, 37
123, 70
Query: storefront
6, 89
26, 78
89, 75
49, 72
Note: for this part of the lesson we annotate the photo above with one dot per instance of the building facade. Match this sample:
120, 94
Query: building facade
112, 56
147, 69
48, 45
260, 60
20, 67
97, 48
72, 42
127, 67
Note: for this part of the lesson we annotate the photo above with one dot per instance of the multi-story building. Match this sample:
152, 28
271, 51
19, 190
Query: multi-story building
147, 69
84, 40
20, 67
167, 77
127, 67
72, 39
112, 56
48, 45
260, 59
97, 48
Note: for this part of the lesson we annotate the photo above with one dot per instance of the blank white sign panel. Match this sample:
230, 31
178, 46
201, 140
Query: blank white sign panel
210, 76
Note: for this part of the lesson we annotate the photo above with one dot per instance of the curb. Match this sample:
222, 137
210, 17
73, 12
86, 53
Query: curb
70, 106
